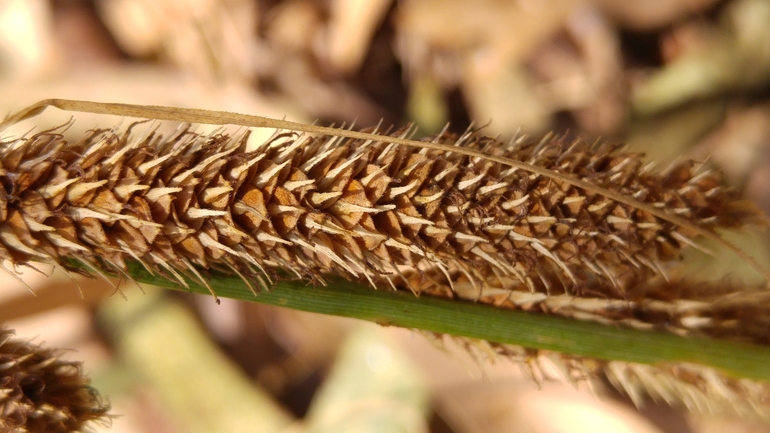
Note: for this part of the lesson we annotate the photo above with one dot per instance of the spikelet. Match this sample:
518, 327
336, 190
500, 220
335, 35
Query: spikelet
366, 210
41, 393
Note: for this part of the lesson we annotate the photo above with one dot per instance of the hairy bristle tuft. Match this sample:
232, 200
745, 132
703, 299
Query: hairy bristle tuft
41, 393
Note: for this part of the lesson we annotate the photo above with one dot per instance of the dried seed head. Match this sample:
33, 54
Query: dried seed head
430, 220
41, 393
372, 211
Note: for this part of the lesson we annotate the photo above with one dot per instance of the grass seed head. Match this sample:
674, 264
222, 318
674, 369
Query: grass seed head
428, 220
366, 210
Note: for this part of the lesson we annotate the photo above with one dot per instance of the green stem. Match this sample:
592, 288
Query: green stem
343, 298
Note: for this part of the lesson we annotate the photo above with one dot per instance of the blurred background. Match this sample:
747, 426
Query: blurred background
667, 77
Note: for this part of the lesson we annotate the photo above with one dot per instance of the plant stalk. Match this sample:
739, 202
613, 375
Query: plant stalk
467, 319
